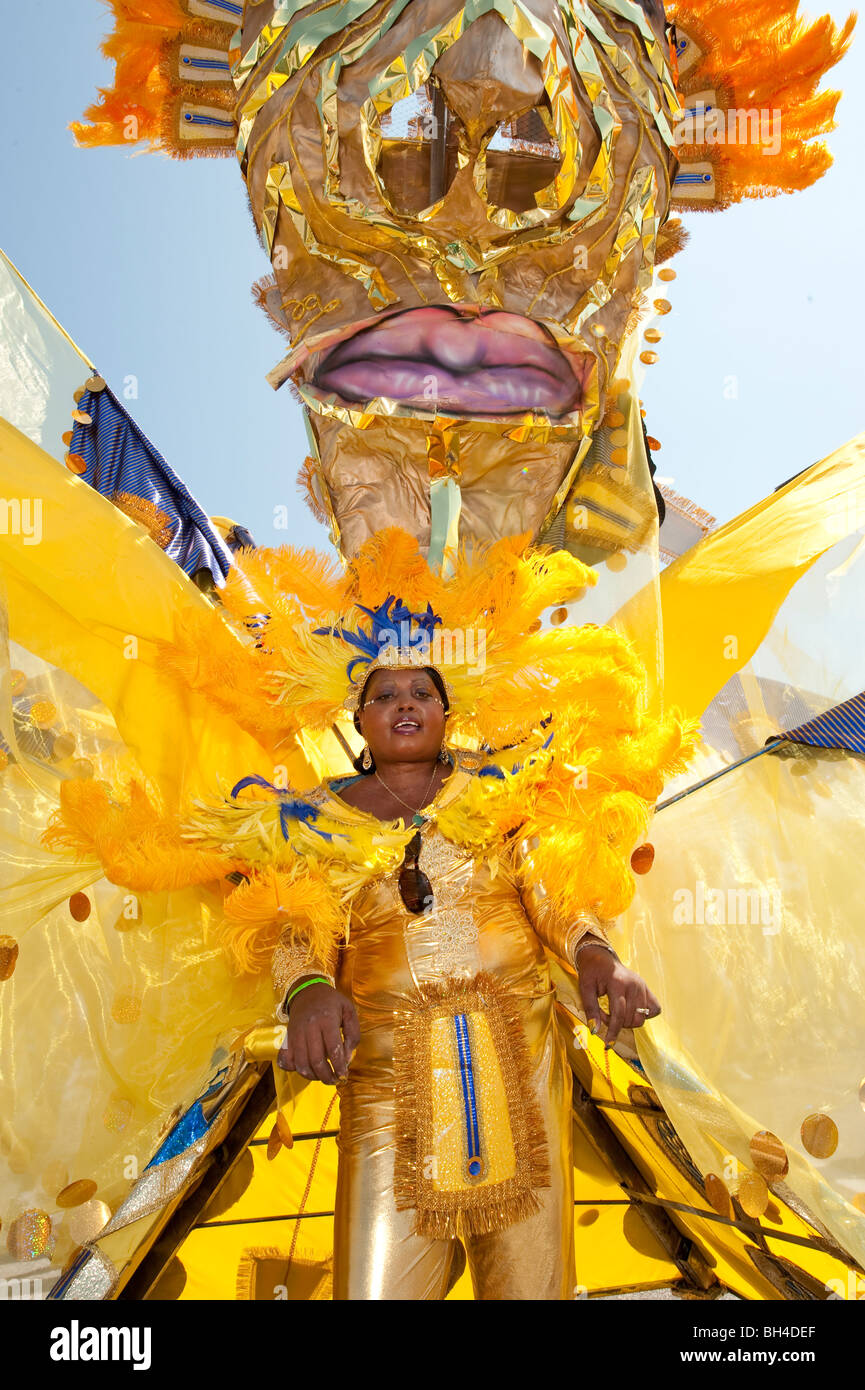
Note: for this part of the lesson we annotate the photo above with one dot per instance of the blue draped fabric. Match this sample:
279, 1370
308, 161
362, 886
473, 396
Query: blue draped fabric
123, 465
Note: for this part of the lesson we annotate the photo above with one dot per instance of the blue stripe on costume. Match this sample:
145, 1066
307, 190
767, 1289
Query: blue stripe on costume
473, 1140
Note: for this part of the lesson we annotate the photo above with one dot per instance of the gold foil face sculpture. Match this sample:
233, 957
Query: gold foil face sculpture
464, 204
461, 204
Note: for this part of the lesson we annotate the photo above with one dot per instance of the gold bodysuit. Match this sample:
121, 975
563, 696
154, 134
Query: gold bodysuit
456, 1116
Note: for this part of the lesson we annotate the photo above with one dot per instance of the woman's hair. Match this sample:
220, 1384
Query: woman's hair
440, 687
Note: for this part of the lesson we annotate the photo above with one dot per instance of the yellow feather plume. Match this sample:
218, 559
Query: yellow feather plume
138, 847
259, 911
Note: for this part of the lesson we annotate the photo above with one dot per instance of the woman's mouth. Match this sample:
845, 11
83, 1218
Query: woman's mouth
406, 726
467, 360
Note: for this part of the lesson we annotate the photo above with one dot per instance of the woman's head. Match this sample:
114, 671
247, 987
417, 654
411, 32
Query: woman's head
401, 714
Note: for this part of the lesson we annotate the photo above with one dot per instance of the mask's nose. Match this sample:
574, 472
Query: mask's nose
488, 77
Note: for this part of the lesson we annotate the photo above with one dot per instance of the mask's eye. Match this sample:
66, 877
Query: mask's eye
522, 157
418, 157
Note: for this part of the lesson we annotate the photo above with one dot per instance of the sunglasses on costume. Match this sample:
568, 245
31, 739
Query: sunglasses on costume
415, 888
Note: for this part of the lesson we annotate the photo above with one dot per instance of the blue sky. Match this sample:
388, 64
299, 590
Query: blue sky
148, 263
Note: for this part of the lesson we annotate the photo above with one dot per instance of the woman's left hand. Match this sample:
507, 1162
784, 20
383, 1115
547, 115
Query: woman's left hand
602, 974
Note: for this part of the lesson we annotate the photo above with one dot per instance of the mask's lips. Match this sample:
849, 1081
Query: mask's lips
466, 360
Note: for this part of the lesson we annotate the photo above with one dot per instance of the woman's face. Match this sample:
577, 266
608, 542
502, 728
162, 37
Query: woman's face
402, 719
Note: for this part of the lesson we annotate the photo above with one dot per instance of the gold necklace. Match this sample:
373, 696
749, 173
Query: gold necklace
415, 810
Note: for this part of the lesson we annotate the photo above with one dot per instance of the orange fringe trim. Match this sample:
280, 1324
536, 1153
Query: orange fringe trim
305, 478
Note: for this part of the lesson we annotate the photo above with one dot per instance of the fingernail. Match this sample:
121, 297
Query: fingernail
593, 1027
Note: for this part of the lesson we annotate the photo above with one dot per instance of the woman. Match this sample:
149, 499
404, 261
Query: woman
404, 913
401, 942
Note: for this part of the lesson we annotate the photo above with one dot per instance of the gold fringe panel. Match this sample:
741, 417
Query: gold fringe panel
483, 1208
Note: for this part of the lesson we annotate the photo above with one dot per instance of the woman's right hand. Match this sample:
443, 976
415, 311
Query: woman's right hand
321, 1035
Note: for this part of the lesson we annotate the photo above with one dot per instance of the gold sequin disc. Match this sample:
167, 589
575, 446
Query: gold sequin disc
769, 1156
95, 383
76, 1193
126, 1009
64, 746
819, 1135
717, 1194
117, 1114
43, 713
666, 274
559, 616
650, 358
643, 858
617, 562
79, 906
30, 1235
8, 957
653, 335
85, 1222
76, 464
82, 418
753, 1195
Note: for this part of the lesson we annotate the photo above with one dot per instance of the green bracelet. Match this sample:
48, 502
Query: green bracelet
316, 980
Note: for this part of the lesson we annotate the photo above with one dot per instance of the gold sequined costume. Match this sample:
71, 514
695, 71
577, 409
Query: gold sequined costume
486, 931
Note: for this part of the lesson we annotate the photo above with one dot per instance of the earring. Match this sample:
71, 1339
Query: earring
444, 755
366, 759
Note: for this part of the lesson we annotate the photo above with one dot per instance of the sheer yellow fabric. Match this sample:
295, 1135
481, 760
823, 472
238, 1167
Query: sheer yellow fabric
114, 1010
749, 926
95, 596
720, 599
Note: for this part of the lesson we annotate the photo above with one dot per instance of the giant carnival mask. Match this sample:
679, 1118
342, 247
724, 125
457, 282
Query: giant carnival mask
465, 204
